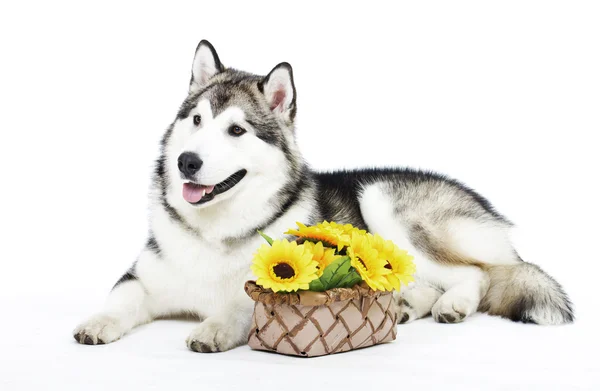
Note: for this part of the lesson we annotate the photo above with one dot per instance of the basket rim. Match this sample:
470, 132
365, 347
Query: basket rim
309, 298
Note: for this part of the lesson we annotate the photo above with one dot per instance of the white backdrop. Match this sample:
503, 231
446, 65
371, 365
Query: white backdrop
503, 96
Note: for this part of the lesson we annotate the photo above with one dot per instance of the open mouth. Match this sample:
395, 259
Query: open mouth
199, 194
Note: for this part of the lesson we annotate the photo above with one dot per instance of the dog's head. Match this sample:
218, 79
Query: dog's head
234, 130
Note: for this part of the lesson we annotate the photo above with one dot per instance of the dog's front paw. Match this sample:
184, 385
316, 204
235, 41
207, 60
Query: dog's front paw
213, 336
404, 311
98, 330
451, 309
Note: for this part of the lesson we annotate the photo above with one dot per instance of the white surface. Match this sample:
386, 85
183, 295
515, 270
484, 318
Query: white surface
504, 97
484, 353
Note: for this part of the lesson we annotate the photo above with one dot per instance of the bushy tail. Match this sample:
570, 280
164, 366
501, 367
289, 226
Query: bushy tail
525, 293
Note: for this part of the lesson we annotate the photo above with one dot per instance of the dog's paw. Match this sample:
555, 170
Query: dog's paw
449, 309
405, 313
98, 330
212, 336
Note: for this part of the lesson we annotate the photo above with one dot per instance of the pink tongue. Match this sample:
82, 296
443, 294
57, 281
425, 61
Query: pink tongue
192, 193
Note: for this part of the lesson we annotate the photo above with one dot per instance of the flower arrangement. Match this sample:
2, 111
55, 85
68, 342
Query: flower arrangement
328, 290
330, 255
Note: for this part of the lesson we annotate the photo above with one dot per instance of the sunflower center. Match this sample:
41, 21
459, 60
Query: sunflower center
388, 265
284, 270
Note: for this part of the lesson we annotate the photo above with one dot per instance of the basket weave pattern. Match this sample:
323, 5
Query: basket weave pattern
312, 324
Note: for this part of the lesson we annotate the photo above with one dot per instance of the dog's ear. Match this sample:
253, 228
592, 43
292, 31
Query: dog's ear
206, 65
280, 92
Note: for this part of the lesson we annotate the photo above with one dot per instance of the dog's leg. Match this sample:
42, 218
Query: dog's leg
125, 308
416, 301
462, 299
225, 330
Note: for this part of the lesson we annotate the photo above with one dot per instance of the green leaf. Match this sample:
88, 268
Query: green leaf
351, 279
266, 237
316, 286
335, 272
339, 274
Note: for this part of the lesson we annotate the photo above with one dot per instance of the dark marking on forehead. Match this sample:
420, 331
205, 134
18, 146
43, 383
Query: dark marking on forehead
234, 93
219, 99
240, 89
231, 87
228, 94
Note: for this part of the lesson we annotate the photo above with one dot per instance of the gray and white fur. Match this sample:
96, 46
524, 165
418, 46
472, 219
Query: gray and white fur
229, 166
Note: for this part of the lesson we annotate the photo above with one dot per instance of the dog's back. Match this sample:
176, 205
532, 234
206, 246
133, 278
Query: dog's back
464, 258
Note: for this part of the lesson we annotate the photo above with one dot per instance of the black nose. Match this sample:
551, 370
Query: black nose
189, 163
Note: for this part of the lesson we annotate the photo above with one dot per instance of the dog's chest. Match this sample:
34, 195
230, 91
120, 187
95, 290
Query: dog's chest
198, 276
199, 273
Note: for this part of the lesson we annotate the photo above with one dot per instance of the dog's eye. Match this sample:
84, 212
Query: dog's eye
235, 130
197, 120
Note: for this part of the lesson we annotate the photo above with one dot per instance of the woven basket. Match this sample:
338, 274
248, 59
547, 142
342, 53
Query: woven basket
310, 324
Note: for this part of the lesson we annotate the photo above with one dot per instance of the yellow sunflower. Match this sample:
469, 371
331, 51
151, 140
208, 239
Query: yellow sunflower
325, 232
365, 259
397, 261
323, 255
348, 229
284, 266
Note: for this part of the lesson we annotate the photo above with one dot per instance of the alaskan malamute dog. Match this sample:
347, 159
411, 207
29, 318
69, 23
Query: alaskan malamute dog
230, 166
